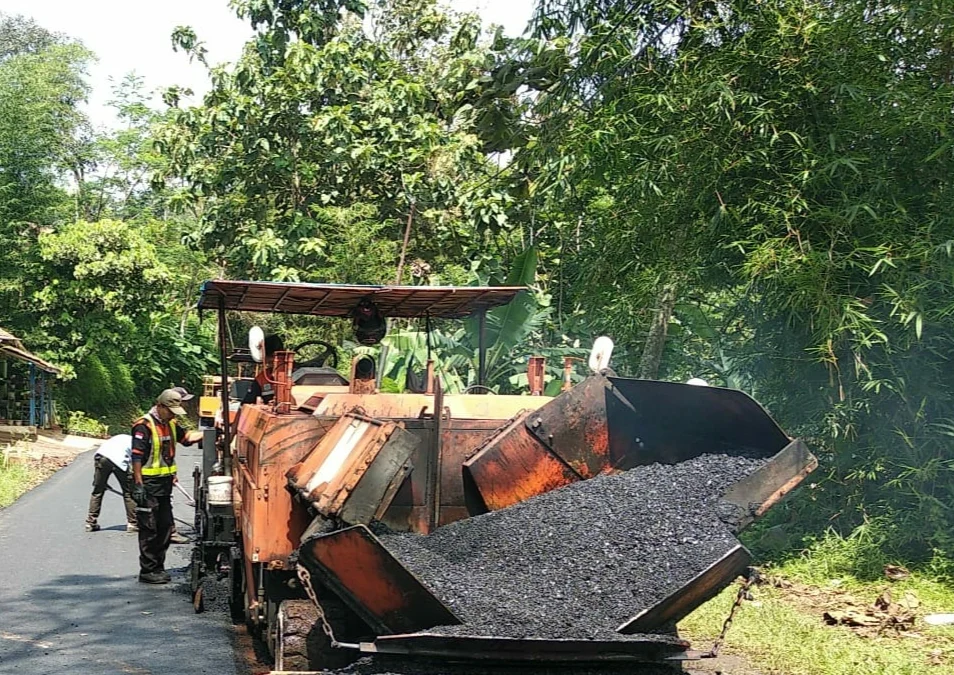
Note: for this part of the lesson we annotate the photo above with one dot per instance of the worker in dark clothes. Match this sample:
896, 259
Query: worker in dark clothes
154, 439
260, 391
177, 538
111, 459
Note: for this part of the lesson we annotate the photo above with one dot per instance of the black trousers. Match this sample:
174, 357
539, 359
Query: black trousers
104, 468
155, 529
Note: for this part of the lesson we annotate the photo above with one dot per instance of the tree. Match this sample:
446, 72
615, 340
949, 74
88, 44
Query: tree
791, 162
41, 87
314, 118
106, 298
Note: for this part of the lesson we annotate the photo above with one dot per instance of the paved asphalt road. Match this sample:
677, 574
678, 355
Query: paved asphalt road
70, 602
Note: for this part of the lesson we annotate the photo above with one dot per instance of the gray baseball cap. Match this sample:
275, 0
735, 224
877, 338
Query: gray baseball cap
184, 393
172, 400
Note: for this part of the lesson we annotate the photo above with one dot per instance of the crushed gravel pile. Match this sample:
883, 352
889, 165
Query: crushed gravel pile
579, 561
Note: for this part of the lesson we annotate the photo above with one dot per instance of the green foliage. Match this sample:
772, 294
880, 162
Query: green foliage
107, 296
41, 86
511, 332
321, 128
787, 165
16, 478
78, 424
103, 388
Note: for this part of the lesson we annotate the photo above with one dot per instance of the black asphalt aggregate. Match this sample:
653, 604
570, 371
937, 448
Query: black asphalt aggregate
579, 561
70, 601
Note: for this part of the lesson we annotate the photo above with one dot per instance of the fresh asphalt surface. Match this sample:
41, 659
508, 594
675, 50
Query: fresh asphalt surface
70, 601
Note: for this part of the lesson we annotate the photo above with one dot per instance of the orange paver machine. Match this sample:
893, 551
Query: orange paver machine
290, 490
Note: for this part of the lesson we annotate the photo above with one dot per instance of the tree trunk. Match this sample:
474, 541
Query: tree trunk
656, 340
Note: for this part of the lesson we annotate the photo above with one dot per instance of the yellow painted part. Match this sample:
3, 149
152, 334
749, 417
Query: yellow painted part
462, 406
209, 405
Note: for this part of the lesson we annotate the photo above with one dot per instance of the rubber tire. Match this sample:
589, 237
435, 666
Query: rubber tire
297, 621
236, 581
301, 643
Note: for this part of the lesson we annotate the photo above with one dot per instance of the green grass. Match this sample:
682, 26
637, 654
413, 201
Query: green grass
16, 478
778, 637
783, 631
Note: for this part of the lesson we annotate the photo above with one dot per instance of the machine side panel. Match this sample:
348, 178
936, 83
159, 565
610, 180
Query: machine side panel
271, 521
575, 427
460, 438
364, 574
755, 494
697, 591
677, 421
512, 467
408, 406
376, 487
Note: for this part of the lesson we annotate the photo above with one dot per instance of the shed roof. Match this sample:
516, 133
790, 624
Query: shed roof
10, 345
340, 300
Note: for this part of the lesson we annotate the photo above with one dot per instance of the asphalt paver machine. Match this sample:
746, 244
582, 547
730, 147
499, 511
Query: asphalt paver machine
310, 506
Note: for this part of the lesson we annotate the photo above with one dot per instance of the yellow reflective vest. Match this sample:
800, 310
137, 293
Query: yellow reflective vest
156, 464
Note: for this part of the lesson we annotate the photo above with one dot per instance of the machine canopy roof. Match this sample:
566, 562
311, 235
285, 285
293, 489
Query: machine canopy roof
340, 300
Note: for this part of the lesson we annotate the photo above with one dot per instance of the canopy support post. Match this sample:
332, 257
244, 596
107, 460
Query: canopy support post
482, 349
226, 421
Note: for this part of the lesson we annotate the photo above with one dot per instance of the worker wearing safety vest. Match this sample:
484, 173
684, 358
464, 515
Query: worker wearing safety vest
154, 439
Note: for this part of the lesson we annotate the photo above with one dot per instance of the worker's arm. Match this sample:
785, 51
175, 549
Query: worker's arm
141, 447
188, 437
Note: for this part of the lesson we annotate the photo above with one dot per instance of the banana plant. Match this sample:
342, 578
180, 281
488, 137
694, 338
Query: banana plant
508, 332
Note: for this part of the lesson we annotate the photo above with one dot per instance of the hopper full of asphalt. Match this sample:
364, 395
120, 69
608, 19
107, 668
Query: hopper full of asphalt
579, 561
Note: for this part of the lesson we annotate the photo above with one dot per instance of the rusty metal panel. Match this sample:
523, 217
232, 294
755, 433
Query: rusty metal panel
411, 406
575, 427
391, 406
512, 467
293, 434
325, 476
700, 589
649, 649
354, 564
351, 469
252, 422
460, 439
381, 480
270, 520
755, 494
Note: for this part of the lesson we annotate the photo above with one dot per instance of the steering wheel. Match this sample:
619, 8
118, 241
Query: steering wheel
329, 353
487, 390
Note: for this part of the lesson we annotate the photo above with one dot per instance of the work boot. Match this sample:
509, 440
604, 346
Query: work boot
132, 527
177, 538
165, 575
92, 527
153, 578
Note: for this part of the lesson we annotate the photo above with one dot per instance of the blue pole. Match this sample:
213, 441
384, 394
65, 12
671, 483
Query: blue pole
43, 415
32, 395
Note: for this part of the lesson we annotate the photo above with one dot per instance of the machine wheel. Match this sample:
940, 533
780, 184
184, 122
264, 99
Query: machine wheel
300, 642
236, 586
196, 570
297, 621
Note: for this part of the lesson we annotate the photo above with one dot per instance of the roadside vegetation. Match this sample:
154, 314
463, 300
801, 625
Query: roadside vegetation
840, 607
19, 477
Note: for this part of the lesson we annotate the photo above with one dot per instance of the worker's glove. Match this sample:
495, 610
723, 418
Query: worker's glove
139, 494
